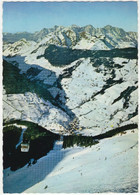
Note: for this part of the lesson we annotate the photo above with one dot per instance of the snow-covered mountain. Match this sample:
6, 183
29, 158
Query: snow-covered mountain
98, 88
79, 37
74, 80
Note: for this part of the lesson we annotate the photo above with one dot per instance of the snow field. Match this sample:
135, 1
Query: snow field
110, 166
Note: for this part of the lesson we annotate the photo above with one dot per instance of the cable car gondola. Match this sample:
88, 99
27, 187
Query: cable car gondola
25, 146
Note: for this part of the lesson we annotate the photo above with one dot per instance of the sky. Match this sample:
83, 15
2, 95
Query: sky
33, 16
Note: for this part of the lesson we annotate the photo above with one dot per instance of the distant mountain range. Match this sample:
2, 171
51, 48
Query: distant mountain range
73, 81
76, 37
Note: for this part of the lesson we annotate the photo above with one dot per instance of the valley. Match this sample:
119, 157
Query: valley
74, 92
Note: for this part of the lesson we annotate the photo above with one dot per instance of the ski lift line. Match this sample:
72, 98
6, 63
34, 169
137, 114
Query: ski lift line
21, 137
13, 107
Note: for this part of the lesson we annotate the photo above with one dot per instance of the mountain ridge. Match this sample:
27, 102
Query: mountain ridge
73, 37
73, 25
38, 35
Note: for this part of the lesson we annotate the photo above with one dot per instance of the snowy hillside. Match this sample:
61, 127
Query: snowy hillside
99, 89
106, 96
75, 92
110, 166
